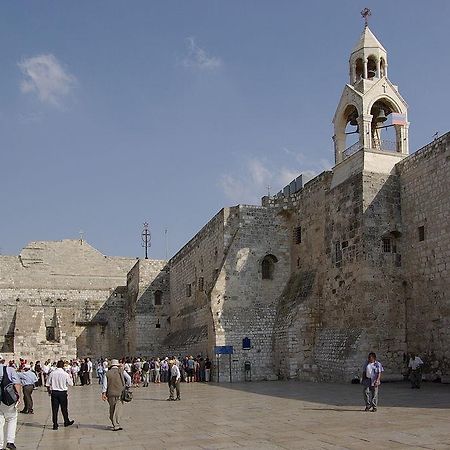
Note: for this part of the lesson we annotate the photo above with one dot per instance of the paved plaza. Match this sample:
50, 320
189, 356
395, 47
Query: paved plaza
266, 415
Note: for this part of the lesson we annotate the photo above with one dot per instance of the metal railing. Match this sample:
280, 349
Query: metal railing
386, 146
380, 146
352, 149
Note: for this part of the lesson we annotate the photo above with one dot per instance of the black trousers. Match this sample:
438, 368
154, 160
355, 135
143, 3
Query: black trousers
59, 398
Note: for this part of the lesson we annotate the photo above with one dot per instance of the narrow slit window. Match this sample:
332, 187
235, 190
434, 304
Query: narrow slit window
338, 252
421, 231
298, 235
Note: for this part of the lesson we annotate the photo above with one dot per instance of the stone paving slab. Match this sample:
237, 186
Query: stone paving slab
267, 415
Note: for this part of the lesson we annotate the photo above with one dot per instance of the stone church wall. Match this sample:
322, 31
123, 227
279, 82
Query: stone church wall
68, 288
425, 202
232, 302
343, 296
147, 322
243, 303
193, 273
360, 262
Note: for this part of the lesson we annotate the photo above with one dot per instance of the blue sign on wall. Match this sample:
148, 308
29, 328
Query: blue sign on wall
223, 350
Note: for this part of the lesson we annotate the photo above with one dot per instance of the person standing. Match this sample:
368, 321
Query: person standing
46, 371
415, 371
28, 379
89, 370
83, 372
174, 380
100, 371
58, 383
8, 413
74, 370
38, 372
114, 382
157, 370
165, 370
145, 373
208, 366
371, 380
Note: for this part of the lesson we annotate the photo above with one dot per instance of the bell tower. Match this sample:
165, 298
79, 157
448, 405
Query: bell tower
371, 115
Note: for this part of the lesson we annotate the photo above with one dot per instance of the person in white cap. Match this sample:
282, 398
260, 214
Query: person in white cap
8, 413
114, 383
27, 378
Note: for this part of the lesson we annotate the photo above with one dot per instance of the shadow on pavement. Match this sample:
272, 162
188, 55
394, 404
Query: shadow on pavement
398, 394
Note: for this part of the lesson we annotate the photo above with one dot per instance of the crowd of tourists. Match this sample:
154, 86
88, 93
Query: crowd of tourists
156, 370
116, 377
19, 379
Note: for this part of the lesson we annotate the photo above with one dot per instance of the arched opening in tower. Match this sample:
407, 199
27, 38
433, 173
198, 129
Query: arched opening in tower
382, 67
371, 67
385, 137
351, 130
359, 69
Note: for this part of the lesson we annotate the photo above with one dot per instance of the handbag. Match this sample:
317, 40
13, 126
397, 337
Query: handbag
126, 395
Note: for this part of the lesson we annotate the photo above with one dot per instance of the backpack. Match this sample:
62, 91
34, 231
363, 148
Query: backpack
145, 367
8, 394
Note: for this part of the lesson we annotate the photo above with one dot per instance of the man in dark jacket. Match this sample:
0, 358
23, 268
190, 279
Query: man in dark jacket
83, 372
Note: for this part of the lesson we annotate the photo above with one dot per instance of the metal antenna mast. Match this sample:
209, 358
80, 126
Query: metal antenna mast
146, 239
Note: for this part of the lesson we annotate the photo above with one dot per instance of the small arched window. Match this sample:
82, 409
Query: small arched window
268, 267
371, 67
382, 67
158, 298
359, 69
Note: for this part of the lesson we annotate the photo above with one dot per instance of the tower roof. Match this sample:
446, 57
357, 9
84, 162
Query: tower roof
367, 40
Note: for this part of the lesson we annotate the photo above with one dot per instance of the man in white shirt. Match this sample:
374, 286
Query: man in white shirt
57, 384
89, 372
8, 414
174, 381
46, 370
371, 380
415, 371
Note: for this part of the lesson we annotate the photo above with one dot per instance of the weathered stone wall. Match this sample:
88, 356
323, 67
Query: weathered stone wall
349, 275
243, 303
67, 285
147, 325
193, 273
232, 301
343, 298
425, 202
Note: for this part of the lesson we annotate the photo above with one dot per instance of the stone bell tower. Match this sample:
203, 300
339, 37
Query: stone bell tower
371, 115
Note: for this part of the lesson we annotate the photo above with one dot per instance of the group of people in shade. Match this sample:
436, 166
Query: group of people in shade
117, 377
157, 370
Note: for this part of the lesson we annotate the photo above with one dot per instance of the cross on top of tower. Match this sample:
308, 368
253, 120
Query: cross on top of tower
366, 13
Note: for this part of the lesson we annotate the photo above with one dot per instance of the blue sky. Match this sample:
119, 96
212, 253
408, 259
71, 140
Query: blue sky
117, 112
